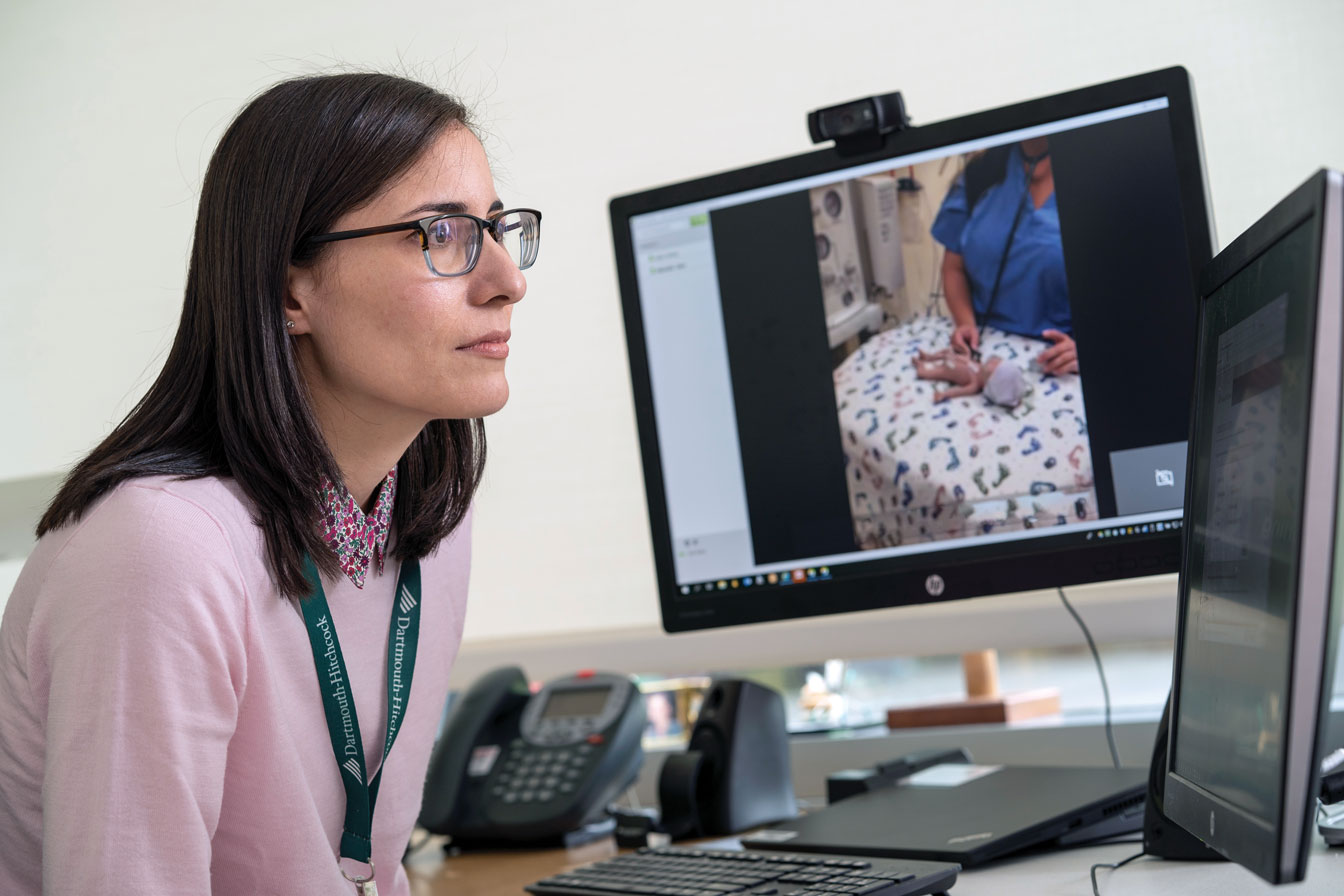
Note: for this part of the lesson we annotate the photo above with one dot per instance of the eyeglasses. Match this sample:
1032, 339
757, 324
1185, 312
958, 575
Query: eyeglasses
452, 243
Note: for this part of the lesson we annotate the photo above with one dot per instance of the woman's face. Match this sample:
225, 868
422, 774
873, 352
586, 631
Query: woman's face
382, 340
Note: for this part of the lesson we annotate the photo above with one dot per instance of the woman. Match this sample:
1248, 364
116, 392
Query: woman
253, 589
1004, 260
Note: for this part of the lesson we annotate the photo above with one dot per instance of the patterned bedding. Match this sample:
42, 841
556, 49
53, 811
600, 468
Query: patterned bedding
919, 471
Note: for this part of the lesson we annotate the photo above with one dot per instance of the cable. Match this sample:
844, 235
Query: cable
1101, 673
1110, 734
1112, 866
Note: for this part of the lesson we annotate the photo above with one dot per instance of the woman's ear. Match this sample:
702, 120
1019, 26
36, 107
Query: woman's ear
300, 293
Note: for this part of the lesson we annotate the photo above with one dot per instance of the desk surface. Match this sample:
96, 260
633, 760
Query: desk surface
1061, 873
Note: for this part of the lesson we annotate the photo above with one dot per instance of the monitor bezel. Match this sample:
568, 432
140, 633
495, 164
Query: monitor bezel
1015, 567
1278, 851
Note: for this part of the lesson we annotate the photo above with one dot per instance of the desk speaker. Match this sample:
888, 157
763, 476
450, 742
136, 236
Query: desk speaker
735, 774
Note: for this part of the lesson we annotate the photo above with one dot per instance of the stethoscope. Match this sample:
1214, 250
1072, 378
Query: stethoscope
1032, 162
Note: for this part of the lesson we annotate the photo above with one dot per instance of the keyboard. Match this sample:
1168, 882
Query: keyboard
679, 871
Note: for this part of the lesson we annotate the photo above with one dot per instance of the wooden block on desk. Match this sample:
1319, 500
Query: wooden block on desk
998, 709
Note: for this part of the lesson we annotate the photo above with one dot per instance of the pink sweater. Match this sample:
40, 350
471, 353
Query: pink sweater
161, 728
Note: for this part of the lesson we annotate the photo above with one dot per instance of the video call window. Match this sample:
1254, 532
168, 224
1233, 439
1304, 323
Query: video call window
939, 348
961, 412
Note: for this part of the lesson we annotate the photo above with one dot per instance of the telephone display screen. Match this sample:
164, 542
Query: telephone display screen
583, 702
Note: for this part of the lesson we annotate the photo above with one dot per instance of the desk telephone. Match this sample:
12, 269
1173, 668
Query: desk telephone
516, 767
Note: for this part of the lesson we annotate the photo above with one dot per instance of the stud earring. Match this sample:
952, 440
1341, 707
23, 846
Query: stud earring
289, 325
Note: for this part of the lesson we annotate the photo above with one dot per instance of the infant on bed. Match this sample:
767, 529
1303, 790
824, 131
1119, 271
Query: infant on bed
1001, 381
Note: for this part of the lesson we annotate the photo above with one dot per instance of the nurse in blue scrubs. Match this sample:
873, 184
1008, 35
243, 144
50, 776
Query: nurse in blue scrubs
1004, 264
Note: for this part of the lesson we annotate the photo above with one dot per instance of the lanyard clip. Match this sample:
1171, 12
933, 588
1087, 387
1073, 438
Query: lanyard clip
364, 886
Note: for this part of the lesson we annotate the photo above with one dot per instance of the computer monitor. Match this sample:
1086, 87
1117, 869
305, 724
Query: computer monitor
795, 462
1261, 569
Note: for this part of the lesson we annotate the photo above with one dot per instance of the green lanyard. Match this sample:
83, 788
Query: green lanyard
342, 723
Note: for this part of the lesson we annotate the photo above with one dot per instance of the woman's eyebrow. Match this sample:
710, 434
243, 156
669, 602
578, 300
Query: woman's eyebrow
451, 208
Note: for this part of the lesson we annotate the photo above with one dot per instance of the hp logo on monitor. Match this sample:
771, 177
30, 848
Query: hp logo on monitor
934, 584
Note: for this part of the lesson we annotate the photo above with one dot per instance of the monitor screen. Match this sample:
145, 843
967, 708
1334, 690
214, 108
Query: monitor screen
957, 365
1253, 646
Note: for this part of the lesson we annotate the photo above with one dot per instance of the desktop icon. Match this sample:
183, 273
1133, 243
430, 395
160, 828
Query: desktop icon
799, 575
811, 573
685, 589
1164, 478
826, 571
746, 582
760, 580
734, 583
722, 584
772, 578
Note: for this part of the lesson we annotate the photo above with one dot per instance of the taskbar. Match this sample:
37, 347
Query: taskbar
775, 579
779, 578
1138, 529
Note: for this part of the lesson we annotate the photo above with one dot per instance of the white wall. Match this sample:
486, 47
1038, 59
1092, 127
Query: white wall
110, 111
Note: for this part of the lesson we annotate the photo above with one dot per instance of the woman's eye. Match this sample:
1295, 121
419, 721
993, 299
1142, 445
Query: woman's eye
440, 233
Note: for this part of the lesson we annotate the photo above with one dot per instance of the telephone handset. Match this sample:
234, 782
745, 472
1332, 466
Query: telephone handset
514, 767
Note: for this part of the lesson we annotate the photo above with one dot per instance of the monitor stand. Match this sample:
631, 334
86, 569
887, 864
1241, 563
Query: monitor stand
984, 704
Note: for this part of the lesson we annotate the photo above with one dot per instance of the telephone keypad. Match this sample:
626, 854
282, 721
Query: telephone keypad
537, 775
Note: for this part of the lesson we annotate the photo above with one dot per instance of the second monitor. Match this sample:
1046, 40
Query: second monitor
1262, 571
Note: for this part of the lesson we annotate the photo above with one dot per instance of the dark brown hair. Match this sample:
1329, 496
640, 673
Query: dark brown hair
230, 400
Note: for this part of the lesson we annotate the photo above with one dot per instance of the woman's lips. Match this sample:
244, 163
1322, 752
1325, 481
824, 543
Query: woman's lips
491, 345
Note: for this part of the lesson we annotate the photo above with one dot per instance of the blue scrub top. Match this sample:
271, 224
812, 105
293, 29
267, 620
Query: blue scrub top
1033, 293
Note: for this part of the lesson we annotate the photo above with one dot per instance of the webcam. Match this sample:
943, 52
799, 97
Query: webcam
859, 125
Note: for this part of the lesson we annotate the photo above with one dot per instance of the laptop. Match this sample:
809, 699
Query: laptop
970, 814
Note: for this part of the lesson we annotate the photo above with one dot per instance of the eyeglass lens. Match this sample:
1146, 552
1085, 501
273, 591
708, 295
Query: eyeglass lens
454, 243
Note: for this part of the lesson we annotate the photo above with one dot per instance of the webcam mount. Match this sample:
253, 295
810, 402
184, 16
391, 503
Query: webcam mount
859, 126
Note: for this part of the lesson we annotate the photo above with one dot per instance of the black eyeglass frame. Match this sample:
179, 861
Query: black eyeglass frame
423, 224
